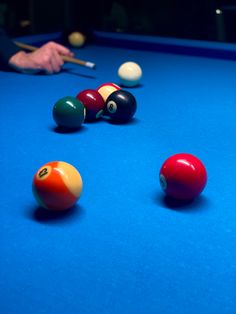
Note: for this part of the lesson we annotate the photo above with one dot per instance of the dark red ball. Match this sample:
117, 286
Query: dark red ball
183, 176
93, 102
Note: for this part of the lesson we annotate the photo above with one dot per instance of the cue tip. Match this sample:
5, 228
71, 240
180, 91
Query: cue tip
90, 65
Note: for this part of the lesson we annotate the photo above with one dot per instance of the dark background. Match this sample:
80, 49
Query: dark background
194, 19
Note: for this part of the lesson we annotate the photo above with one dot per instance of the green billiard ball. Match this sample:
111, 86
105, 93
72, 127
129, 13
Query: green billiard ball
69, 112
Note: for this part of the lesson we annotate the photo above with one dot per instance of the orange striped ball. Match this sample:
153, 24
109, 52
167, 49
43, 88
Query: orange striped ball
57, 185
106, 89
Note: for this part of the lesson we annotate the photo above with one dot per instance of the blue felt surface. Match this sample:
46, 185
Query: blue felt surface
122, 249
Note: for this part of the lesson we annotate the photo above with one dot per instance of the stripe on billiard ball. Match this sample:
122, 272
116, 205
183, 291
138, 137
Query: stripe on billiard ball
57, 185
106, 89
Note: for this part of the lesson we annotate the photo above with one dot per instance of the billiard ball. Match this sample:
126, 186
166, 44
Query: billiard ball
106, 89
183, 176
129, 74
69, 112
93, 102
76, 39
57, 185
120, 106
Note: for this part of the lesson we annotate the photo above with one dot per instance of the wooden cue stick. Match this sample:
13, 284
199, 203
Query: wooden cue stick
65, 58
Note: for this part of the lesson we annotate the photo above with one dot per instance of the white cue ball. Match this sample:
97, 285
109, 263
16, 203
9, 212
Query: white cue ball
130, 74
76, 39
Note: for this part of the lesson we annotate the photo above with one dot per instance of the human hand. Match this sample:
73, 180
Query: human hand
47, 58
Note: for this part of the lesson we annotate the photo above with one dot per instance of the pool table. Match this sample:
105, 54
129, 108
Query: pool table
124, 248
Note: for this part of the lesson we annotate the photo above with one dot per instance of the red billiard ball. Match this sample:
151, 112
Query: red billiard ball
120, 106
93, 102
183, 176
106, 89
57, 186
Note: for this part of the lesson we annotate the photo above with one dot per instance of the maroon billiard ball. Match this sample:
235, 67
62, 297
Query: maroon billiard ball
93, 103
183, 176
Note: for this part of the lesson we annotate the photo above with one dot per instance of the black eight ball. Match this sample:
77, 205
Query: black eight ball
121, 105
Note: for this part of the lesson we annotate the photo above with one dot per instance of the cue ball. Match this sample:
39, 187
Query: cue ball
57, 186
76, 39
69, 112
129, 74
106, 89
183, 176
93, 102
120, 106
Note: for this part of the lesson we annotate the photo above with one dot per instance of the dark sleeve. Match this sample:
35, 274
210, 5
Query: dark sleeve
7, 49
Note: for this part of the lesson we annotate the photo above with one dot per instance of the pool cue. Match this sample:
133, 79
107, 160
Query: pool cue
65, 58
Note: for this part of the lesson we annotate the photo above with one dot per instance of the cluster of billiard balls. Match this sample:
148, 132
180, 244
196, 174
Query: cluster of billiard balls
58, 185
108, 100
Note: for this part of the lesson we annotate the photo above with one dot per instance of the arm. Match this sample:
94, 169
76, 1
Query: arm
47, 58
